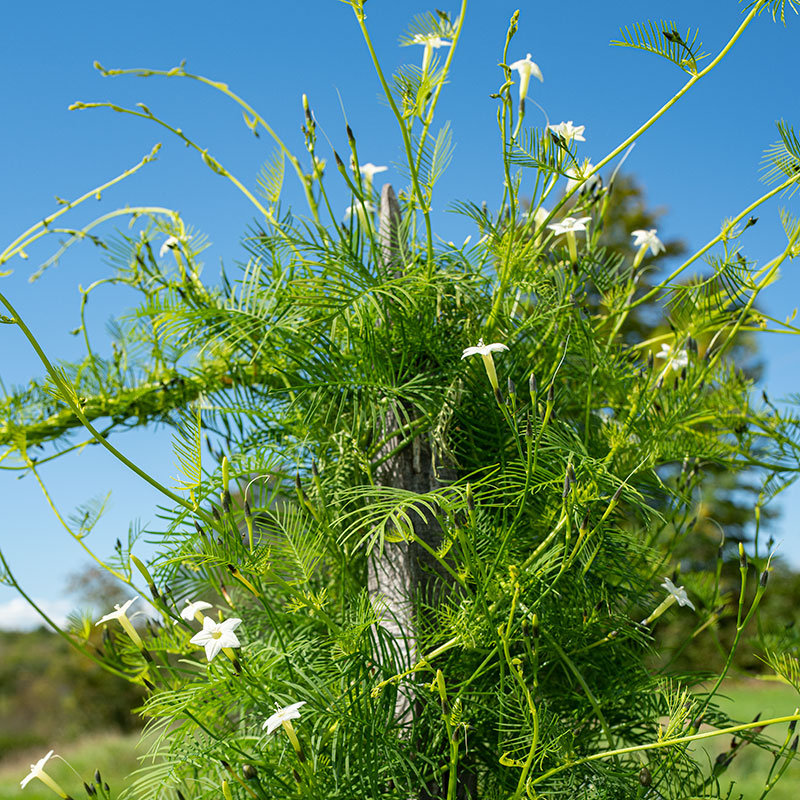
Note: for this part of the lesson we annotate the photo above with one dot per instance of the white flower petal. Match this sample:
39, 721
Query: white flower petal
191, 609
483, 349
679, 593
36, 770
216, 635
120, 611
283, 715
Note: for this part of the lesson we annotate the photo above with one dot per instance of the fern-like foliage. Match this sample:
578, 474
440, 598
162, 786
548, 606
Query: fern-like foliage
663, 39
270, 178
783, 157
775, 7
187, 445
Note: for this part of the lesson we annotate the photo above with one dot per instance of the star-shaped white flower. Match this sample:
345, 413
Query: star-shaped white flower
648, 239
679, 593
216, 635
483, 349
37, 770
568, 131
429, 40
119, 612
193, 609
369, 170
526, 68
569, 225
283, 715
676, 359
172, 243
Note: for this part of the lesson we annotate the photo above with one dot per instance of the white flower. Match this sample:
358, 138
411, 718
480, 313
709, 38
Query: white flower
283, 715
429, 40
648, 239
485, 351
569, 225
37, 770
369, 170
216, 635
193, 609
679, 593
677, 360
172, 243
430, 43
568, 131
526, 68
119, 612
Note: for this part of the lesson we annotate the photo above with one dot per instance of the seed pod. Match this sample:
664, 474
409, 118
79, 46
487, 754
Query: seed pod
764, 578
645, 778
249, 771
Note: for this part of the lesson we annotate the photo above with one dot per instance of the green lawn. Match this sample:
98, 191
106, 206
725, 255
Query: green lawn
113, 754
749, 769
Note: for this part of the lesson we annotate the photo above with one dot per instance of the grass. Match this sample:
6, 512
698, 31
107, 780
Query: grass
751, 765
113, 754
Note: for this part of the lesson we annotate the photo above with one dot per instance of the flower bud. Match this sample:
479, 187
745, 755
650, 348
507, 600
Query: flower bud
742, 557
249, 771
645, 778
532, 385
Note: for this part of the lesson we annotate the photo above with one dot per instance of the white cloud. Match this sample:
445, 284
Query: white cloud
17, 615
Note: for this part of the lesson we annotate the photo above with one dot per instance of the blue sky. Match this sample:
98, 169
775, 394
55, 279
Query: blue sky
700, 163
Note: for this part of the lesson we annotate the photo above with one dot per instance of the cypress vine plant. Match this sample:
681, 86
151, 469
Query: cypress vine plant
436, 541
